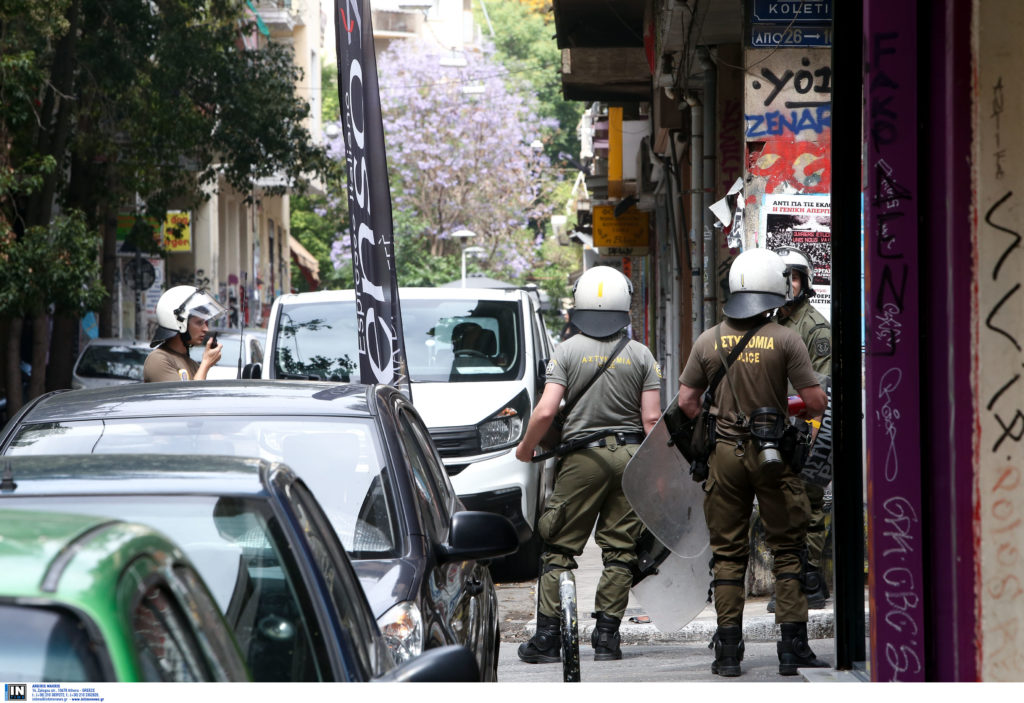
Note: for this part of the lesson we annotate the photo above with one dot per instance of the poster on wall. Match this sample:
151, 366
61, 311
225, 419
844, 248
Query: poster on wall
804, 222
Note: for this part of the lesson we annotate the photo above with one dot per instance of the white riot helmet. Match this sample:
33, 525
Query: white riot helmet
801, 263
176, 305
758, 282
601, 296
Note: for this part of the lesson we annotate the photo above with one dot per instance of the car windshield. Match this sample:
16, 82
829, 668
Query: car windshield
240, 552
339, 458
448, 341
52, 644
112, 361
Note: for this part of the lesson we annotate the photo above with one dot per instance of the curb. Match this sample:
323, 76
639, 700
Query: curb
761, 628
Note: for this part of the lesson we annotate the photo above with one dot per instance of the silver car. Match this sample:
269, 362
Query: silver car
107, 361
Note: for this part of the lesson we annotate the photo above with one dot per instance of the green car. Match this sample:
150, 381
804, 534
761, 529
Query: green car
86, 598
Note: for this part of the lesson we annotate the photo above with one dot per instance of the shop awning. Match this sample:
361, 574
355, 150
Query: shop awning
306, 262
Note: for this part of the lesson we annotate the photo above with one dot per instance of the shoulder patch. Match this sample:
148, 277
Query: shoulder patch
823, 347
657, 368
550, 368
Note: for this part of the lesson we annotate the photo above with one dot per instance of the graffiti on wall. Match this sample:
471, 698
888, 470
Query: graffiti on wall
892, 365
787, 126
998, 342
789, 101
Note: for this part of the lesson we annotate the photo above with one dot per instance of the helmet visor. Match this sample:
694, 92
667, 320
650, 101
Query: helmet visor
201, 305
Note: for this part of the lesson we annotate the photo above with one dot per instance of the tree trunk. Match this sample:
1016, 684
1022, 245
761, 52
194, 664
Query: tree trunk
40, 352
63, 352
13, 369
108, 228
4, 329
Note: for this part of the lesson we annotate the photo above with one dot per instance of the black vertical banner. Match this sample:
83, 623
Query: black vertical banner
379, 317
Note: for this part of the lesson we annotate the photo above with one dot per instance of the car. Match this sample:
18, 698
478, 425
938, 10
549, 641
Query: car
236, 356
362, 450
90, 598
476, 361
108, 361
261, 543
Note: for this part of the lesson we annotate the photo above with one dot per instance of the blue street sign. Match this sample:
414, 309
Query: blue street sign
796, 11
774, 35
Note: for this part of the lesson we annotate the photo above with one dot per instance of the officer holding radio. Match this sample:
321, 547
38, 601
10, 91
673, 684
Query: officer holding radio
750, 413
183, 316
816, 332
600, 435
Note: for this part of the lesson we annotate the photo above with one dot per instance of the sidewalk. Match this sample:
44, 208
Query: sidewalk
517, 609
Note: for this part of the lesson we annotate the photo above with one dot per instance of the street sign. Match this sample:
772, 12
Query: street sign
630, 229
793, 11
771, 36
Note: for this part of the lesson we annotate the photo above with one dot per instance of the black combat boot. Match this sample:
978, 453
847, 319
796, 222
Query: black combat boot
794, 652
728, 645
605, 637
545, 647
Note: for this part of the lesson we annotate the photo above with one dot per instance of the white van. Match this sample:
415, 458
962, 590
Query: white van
476, 359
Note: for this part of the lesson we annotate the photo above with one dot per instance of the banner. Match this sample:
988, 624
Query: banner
805, 222
378, 315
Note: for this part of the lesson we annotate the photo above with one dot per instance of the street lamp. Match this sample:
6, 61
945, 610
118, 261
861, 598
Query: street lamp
475, 251
462, 235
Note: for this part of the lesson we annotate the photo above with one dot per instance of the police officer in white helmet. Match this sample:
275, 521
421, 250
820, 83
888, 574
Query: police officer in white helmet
600, 435
183, 316
750, 411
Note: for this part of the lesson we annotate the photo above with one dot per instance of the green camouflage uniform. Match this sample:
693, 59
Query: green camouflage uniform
816, 332
588, 485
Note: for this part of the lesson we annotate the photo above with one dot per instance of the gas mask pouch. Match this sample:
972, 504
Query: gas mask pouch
767, 426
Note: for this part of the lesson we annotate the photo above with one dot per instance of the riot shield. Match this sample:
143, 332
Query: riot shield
657, 484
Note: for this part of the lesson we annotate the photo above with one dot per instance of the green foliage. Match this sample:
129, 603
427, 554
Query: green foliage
523, 44
330, 105
57, 264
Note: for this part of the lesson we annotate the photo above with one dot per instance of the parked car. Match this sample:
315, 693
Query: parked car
106, 361
241, 350
362, 450
476, 361
260, 541
89, 598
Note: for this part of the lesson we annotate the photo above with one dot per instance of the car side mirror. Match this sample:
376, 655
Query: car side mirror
475, 534
453, 663
252, 370
542, 369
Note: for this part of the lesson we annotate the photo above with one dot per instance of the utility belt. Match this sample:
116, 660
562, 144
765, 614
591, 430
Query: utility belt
600, 438
621, 438
788, 444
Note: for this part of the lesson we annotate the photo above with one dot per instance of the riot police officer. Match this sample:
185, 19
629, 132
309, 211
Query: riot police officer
749, 408
799, 315
183, 316
600, 434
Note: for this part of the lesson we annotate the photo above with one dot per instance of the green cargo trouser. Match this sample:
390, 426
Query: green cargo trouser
816, 531
588, 488
729, 498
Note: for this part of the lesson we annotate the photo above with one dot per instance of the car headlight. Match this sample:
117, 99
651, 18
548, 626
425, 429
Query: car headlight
506, 426
402, 627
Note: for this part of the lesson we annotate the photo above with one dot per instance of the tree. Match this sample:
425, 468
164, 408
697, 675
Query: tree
523, 45
459, 149
111, 101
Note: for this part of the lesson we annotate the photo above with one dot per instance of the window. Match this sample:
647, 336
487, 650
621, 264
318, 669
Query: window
165, 646
343, 585
433, 506
446, 341
339, 458
52, 644
241, 552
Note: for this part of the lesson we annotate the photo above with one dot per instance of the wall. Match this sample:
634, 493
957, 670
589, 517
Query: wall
788, 127
998, 336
